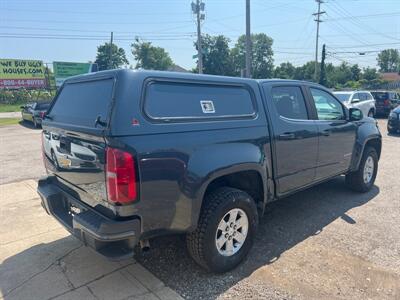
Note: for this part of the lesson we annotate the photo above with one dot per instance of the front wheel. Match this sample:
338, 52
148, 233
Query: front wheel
363, 179
226, 230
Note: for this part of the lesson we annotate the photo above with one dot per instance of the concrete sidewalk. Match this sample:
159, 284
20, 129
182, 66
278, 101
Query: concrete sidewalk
40, 260
5, 115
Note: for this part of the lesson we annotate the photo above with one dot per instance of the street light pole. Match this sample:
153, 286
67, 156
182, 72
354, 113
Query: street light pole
318, 20
198, 8
248, 40
110, 52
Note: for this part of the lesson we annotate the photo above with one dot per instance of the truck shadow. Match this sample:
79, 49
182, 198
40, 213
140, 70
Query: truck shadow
28, 125
285, 224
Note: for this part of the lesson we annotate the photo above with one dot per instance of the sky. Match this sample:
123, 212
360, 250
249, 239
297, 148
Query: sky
71, 30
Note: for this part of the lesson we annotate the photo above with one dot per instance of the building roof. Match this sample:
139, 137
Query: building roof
391, 76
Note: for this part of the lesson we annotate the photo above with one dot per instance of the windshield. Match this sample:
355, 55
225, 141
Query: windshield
343, 97
42, 106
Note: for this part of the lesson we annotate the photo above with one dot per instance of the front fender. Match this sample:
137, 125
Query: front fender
366, 132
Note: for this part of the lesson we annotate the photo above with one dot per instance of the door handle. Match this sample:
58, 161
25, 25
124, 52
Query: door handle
287, 136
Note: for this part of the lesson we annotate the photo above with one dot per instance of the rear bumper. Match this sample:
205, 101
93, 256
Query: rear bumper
113, 239
382, 110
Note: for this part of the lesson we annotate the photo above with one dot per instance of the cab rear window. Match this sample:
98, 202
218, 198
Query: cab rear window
174, 101
380, 95
82, 102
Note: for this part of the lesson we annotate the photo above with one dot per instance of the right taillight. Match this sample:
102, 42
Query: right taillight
386, 102
121, 176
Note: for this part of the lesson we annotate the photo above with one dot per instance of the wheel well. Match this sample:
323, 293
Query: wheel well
376, 144
249, 181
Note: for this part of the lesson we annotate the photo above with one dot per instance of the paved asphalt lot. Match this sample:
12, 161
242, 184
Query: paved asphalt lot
323, 243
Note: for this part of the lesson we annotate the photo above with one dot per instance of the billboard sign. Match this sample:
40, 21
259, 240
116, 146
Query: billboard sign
63, 70
20, 73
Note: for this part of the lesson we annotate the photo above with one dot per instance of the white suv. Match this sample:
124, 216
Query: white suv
362, 100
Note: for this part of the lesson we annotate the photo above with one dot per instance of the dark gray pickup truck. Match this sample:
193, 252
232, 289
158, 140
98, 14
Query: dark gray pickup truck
134, 155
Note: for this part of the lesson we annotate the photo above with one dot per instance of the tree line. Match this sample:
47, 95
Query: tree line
221, 59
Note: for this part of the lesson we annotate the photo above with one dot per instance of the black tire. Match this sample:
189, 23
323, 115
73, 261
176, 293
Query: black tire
355, 180
391, 131
371, 113
35, 124
201, 243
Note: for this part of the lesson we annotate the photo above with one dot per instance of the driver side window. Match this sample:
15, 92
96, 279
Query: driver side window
328, 108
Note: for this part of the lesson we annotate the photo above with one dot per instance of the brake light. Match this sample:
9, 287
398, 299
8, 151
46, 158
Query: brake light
121, 176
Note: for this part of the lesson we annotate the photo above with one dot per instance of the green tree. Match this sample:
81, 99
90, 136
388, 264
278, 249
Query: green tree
341, 74
217, 59
305, 72
118, 57
389, 60
355, 72
322, 75
262, 62
285, 71
370, 74
150, 57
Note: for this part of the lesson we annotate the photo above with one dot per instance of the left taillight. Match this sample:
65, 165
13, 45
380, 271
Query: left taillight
120, 176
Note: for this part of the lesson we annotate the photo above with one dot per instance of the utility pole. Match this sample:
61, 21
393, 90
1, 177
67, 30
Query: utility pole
198, 9
248, 40
110, 52
318, 20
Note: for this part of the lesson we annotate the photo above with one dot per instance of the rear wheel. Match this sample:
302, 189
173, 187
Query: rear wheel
363, 179
391, 130
226, 230
371, 113
35, 124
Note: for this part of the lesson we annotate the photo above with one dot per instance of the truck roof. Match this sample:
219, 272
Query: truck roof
177, 75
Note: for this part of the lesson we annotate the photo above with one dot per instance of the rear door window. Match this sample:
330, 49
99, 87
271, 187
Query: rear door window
82, 102
380, 96
289, 102
168, 101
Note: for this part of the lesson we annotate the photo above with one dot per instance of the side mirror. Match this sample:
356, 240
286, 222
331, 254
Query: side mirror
22, 107
355, 114
355, 100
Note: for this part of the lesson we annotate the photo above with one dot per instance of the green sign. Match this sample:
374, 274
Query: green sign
63, 70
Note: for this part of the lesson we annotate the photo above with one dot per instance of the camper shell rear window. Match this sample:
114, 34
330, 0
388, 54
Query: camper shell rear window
168, 101
80, 103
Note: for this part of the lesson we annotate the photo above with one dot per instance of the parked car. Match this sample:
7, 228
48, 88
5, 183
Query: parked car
34, 112
362, 100
393, 124
196, 154
385, 101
